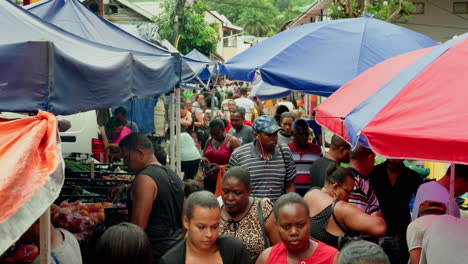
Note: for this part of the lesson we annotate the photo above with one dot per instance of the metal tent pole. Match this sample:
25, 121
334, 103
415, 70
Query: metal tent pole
451, 209
171, 131
44, 239
178, 131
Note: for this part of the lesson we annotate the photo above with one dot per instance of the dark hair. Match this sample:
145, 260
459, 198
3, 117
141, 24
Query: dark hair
136, 141
289, 198
361, 252
191, 186
114, 122
300, 123
208, 101
240, 111
203, 199
160, 154
198, 95
120, 110
279, 110
124, 243
287, 115
239, 173
337, 174
337, 142
244, 91
230, 94
360, 152
217, 123
182, 103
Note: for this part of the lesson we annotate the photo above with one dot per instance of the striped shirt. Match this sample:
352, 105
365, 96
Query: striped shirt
363, 197
268, 177
303, 158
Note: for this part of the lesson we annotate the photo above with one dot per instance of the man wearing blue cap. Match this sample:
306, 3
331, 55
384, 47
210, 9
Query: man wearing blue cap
270, 165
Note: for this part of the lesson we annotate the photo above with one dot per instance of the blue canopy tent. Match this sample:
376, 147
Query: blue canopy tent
319, 58
206, 74
76, 18
45, 67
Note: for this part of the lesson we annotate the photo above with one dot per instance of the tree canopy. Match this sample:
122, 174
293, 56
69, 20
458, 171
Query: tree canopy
194, 32
388, 10
262, 17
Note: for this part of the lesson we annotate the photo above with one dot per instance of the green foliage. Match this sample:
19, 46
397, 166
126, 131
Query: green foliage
194, 32
261, 17
384, 11
388, 10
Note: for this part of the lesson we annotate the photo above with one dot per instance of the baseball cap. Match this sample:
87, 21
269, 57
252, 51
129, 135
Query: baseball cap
431, 207
265, 124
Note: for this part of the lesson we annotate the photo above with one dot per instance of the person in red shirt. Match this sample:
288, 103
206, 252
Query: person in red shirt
293, 223
304, 153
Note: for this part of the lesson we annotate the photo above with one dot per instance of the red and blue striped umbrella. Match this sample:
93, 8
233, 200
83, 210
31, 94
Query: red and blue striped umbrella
413, 106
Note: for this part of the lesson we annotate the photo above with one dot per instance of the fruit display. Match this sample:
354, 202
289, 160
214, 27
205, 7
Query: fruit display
77, 217
117, 178
24, 254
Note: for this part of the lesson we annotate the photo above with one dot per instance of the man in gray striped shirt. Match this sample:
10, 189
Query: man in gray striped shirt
271, 167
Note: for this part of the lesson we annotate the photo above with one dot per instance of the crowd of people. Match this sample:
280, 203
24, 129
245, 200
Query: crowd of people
258, 188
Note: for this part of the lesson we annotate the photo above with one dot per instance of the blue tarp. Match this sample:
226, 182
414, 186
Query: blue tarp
140, 111
76, 18
318, 58
211, 65
44, 67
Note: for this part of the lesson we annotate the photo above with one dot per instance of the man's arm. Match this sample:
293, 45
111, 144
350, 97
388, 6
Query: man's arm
290, 187
233, 162
143, 193
373, 205
290, 169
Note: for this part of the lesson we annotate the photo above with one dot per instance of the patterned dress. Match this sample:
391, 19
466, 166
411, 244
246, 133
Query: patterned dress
248, 229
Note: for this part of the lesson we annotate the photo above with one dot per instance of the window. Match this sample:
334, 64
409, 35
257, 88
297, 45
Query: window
418, 8
460, 7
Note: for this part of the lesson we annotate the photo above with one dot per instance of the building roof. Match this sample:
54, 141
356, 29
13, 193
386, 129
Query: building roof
313, 9
226, 23
142, 8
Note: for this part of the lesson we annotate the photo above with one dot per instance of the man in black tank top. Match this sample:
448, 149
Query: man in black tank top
156, 195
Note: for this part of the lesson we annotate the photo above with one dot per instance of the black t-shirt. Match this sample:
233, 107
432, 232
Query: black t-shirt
165, 221
318, 171
394, 200
231, 249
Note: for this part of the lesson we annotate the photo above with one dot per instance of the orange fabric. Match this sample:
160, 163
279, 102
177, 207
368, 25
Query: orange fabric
219, 179
268, 104
28, 156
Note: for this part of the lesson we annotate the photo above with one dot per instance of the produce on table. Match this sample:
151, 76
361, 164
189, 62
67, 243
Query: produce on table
77, 217
118, 177
24, 253
76, 166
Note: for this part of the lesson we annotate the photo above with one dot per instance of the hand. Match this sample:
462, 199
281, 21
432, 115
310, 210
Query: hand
214, 170
116, 191
204, 161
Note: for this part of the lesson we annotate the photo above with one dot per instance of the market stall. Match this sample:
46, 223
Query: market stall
46, 68
32, 175
66, 74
